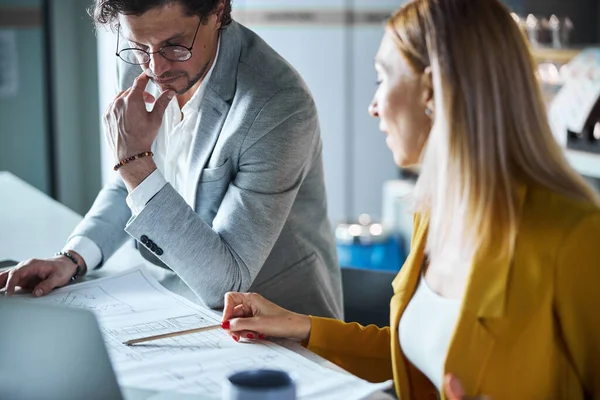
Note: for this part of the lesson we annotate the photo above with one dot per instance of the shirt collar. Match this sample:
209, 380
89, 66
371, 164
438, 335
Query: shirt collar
196, 100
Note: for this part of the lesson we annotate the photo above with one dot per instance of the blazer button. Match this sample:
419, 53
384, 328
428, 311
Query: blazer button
153, 247
159, 251
144, 239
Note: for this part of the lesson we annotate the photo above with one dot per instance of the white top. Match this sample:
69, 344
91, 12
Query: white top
425, 330
172, 148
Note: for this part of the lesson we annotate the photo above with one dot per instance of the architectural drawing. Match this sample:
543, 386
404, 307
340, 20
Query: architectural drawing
92, 298
133, 305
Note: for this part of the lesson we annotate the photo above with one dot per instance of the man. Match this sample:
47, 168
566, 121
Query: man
233, 197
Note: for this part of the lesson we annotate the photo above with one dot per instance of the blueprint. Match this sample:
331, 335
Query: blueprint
94, 299
132, 305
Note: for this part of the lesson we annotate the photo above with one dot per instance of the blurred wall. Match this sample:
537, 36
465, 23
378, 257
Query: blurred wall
332, 44
23, 141
77, 123
27, 117
107, 78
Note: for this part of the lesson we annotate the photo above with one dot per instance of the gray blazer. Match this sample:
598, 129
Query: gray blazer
259, 222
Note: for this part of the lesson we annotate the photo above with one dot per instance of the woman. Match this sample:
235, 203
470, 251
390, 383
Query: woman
498, 295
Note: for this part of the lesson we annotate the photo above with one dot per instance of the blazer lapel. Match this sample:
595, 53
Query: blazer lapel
406, 281
211, 118
484, 302
404, 286
216, 103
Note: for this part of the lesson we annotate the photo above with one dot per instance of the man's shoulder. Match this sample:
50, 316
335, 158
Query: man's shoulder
263, 71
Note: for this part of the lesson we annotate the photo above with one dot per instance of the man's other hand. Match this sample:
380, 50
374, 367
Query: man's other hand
39, 276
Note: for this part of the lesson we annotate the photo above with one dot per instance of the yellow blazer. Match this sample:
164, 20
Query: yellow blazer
529, 326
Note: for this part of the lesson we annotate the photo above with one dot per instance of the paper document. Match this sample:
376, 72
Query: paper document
133, 305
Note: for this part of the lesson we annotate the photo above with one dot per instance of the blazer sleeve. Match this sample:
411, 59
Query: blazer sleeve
105, 221
577, 300
279, 149
361, 350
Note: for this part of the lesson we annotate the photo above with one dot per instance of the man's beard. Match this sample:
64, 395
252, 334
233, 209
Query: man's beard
190, 81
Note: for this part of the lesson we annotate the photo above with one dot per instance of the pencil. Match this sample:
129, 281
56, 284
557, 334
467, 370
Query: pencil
171, 334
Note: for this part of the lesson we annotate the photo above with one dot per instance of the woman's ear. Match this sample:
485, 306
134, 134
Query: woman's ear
427, 90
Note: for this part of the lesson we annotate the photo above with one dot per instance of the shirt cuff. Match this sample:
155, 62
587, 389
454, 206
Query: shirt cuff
87, 249
141, 195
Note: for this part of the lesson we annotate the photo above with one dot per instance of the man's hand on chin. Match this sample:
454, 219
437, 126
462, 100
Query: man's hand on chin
130, 129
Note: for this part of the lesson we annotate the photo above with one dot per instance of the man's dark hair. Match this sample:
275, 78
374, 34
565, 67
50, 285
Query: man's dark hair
107, 11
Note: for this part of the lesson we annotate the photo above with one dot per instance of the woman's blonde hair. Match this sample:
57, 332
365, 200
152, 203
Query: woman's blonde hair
490, 130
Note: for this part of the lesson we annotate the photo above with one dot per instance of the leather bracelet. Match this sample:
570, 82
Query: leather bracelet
132, 158
71, 257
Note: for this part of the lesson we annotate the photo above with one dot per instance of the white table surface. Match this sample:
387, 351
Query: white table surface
32, 225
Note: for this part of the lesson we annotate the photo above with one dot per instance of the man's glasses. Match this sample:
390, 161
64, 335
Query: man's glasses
172, 52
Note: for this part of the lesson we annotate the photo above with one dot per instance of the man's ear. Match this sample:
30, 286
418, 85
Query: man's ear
427, 89
219, 12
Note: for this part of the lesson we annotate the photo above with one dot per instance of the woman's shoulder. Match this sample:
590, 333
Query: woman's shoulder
559, 207
564, 229
561, 225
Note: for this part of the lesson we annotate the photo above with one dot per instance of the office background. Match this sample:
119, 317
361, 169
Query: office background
50, 123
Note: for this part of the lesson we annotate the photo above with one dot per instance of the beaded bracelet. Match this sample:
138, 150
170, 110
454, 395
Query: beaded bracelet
71, 257
132, 158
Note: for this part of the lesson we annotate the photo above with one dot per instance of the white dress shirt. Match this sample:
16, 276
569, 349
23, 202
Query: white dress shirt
425, 330
172, 148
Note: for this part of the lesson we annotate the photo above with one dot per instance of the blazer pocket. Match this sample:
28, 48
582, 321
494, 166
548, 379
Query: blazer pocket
216, 173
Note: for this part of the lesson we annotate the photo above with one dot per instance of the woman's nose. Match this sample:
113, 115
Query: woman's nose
373, 110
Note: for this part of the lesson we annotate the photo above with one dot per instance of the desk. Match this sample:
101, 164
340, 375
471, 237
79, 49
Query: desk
34, 226
31, 224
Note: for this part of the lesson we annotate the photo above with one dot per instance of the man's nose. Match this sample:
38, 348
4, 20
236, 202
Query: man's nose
158, 64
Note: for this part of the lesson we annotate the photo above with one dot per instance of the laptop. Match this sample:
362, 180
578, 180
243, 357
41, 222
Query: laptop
52, 352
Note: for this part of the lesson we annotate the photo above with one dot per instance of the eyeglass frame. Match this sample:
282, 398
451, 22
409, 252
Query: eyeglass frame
159, 51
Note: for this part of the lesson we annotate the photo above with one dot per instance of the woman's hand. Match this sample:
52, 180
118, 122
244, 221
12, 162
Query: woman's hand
454, 389
251, 316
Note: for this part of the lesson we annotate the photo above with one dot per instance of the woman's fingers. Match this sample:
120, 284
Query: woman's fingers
242, 311
247, 305
234, 302
247, 335
252, 312
453, 387
254, 324
285, 325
